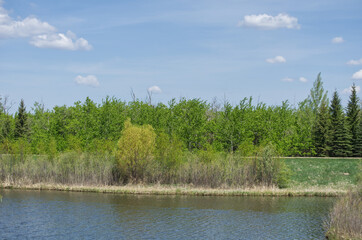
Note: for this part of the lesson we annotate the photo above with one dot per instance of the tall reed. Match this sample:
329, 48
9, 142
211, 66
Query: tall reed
67, 168
202, 169
345, 218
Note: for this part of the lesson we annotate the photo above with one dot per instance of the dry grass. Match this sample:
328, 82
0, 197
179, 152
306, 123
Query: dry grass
178, 190
345, 220
224, 175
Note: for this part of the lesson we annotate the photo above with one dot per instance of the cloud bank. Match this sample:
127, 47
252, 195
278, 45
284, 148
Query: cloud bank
287, 79
154, 89
338, 40
42, 34
303, 79
349, 90
265, 21
357, 75
355, 62
66, 41
89, 80
277, 59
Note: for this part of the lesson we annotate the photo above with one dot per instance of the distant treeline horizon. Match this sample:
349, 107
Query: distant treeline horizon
315, 126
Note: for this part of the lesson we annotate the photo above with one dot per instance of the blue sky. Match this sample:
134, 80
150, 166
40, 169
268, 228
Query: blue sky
59, 52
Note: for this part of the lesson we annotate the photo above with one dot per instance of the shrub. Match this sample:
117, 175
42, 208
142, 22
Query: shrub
270, 170
135, 150
168, 157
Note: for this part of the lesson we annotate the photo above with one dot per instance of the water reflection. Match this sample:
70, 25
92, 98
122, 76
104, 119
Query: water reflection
65, 215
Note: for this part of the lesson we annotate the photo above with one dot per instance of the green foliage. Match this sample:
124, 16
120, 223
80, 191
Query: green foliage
317, 95
301, 130
270, 170
340, 140
247, 148
21, 147
21, 123
353, 122
135, 149
358, 146
207, 155
321, 133
189, 122
6, 126
302, 137
51, 148
168, 152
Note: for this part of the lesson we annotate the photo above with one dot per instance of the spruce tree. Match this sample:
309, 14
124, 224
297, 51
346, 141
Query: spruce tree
321, 131
358, 146
21, 125
340, 145
353, 120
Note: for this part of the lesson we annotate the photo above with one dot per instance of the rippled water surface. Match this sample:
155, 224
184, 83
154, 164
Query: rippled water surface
66, 215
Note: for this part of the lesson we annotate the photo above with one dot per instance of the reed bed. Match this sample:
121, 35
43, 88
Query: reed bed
345, 219
72, 168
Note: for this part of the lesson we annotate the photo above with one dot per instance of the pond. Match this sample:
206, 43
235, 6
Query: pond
74, 215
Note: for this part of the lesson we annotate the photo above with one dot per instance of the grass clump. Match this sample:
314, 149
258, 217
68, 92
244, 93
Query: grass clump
345, 220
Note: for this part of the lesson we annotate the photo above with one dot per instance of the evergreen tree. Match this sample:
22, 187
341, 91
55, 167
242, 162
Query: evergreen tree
321, 131
358, 147
353, 120
21, 124
340, 145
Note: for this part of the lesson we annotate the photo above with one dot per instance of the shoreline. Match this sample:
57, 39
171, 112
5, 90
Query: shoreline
182, 190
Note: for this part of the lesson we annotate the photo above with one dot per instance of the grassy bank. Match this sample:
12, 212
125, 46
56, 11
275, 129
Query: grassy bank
197, 175
333, 173
182, 190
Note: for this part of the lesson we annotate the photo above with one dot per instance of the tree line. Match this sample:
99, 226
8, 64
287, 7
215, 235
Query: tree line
315, 127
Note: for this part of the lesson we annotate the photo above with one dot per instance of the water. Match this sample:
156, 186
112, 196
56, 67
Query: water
70, 215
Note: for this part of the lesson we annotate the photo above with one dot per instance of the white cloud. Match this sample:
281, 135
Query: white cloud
265, 21
349, 90
337, 40
89, 80
287, 79
277, 59
61, 41
42, 34
154, 89
355, 62
27, 27
357, 75
303, 79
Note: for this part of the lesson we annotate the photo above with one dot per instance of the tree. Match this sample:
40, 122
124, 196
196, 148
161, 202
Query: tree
302, 139
321, 131
21, 121
6, 121
353, 120
135, 149
317, 95
359, 136
226, 133
340, 140
317, 99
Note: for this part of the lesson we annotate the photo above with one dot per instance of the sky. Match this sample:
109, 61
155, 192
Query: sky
60, 52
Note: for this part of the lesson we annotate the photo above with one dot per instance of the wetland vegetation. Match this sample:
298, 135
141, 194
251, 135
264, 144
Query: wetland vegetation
190, 147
